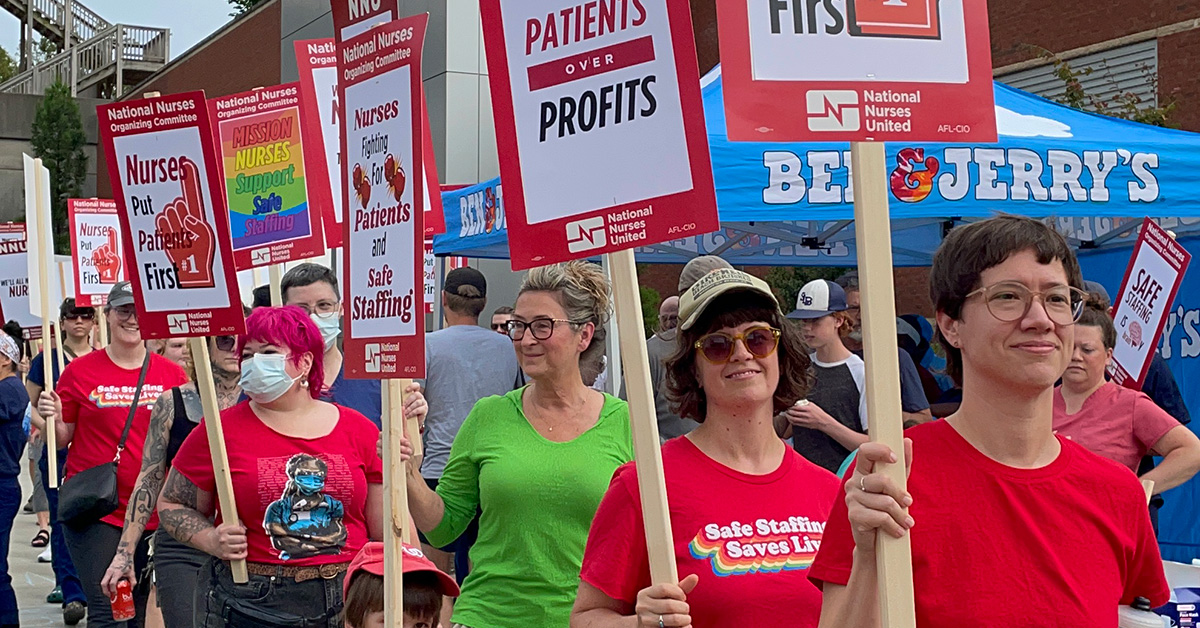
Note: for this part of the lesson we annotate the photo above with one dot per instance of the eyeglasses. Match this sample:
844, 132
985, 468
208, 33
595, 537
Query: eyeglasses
718, 347
125, 312
324, 309
78, 316
542, 328
225, 343
501, 327
1010, 301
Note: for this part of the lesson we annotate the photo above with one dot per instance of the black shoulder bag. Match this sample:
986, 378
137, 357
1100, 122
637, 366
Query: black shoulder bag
92, 494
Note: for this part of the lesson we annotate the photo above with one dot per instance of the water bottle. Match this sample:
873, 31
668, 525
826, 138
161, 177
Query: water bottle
1138, 615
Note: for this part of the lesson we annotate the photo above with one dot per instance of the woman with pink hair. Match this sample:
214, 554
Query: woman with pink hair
306, 478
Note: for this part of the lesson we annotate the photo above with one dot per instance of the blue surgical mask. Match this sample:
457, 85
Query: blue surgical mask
329, 326
310, 483
264, 377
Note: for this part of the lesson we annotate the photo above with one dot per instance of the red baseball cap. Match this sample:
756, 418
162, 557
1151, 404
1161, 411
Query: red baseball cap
370, 560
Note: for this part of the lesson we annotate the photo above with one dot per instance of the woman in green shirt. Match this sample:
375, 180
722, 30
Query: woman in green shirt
536, 462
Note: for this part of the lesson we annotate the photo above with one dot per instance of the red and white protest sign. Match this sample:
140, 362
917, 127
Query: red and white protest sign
170, 201
858, 70
354, 17
265, 166
95, 249
452, 262
316, 60
379, 92
599, 117
435, 218
14, 280
1144, 300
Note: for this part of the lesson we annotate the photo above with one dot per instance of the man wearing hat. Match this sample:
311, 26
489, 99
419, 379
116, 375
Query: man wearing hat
464, 363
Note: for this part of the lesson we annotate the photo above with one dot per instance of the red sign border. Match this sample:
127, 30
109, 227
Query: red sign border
316, 167
753, 112
81, 299
224, 321
526, 239
341, 16
410, 359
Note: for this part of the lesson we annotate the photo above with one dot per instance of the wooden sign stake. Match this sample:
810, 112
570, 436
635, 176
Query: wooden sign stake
873, 232
216, 444
395, 501
102, 327
43, 223
275, 271
651, 481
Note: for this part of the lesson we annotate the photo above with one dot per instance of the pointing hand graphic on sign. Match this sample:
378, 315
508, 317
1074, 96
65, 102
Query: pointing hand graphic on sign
188, 239
107, 260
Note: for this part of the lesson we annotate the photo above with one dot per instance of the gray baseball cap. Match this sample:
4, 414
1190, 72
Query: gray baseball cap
121, 294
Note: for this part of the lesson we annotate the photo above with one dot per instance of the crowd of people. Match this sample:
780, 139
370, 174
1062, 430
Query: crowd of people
524, 488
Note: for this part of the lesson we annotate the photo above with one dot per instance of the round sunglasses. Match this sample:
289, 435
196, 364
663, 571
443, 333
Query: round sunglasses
718, 346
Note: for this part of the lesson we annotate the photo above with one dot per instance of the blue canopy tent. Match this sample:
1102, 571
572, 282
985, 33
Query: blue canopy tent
791, 204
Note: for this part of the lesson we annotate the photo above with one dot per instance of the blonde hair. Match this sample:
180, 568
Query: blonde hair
580, 287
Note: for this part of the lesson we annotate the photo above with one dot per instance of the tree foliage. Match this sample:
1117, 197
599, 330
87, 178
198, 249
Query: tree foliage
58, 139
8, 65
242, 6
1126, 105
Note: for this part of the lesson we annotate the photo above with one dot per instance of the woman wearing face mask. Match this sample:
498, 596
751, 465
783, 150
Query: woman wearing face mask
306, 480
536, 461
12, 444
91, 406
1118, 423
175, 415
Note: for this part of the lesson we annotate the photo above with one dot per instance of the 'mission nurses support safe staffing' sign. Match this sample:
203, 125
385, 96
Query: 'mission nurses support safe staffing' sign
380, 112
95, 249
598, 112
857, 70
1151, 281
265, 168
174, 222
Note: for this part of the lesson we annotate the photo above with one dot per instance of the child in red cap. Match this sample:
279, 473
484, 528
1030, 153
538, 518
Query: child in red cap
424, 588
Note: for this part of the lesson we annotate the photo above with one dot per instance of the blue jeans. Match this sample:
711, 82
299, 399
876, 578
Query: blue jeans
10, 505
64, 570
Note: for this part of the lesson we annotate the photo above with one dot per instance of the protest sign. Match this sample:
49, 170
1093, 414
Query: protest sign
430, 270
263, 158
354, 17
95, 249
316, 60
14, 280
861, 70
1151, 281
166, 182
435, 218
598, 114
380, 104
44, 291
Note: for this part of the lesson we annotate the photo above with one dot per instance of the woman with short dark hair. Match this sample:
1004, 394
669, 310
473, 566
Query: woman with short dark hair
747, 511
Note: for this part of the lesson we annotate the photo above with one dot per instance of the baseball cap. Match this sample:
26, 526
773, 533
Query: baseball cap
1094, 286
121, 294
714, 284
9, 348
819, 297
465, 276
370, 560
698, 267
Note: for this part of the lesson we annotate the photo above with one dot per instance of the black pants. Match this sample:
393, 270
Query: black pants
10, 504
92, 549
177, 575
65, 576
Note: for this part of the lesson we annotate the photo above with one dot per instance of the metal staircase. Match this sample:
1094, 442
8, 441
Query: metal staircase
106, 57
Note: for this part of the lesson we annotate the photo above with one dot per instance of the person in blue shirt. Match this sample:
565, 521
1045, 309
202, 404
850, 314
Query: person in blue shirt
13, 401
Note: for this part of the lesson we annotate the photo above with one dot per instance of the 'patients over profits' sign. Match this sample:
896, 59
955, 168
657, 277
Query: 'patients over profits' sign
598, 112
380, 98
163, 167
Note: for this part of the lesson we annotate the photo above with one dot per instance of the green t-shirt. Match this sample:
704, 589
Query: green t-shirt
538, 499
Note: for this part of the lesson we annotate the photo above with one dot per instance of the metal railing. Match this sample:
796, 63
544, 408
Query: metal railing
102, 55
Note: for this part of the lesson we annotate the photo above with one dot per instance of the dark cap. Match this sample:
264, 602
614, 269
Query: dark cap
121, 294
459, 279
819, 297
68, 308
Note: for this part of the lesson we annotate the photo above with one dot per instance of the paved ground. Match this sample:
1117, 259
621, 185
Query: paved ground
32, 580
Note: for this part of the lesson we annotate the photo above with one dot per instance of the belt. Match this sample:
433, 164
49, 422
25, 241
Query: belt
327, 571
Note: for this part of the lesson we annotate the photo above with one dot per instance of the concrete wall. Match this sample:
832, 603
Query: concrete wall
16, 123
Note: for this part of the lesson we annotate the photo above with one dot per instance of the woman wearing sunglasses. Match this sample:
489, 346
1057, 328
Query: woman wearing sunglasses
1010, 525
747, 511
175, 415
91, 404
536, 461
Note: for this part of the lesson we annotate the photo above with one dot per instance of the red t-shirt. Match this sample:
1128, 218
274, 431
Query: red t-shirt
303, 501
1116, 422
993, 546
750, 538
96, 394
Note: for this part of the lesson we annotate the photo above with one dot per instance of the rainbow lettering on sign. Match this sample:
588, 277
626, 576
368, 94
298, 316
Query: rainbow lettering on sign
264, 178
764, 546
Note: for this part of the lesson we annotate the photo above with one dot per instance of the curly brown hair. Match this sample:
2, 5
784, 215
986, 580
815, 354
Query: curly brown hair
730, 310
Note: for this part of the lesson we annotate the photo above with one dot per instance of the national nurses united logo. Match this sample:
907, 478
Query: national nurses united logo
763, 546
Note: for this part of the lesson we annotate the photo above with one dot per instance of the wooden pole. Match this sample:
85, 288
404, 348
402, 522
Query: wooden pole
395, 501
102, 326
216, 444
43, 261
275, 272
1148, 486
873, 233
651, 482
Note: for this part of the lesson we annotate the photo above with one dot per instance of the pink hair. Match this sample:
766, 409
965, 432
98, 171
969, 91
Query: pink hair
290, 327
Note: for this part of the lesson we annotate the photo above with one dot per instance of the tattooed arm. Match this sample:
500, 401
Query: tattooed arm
185, 511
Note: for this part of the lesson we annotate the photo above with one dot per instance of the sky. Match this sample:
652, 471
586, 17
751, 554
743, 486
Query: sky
190, 21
